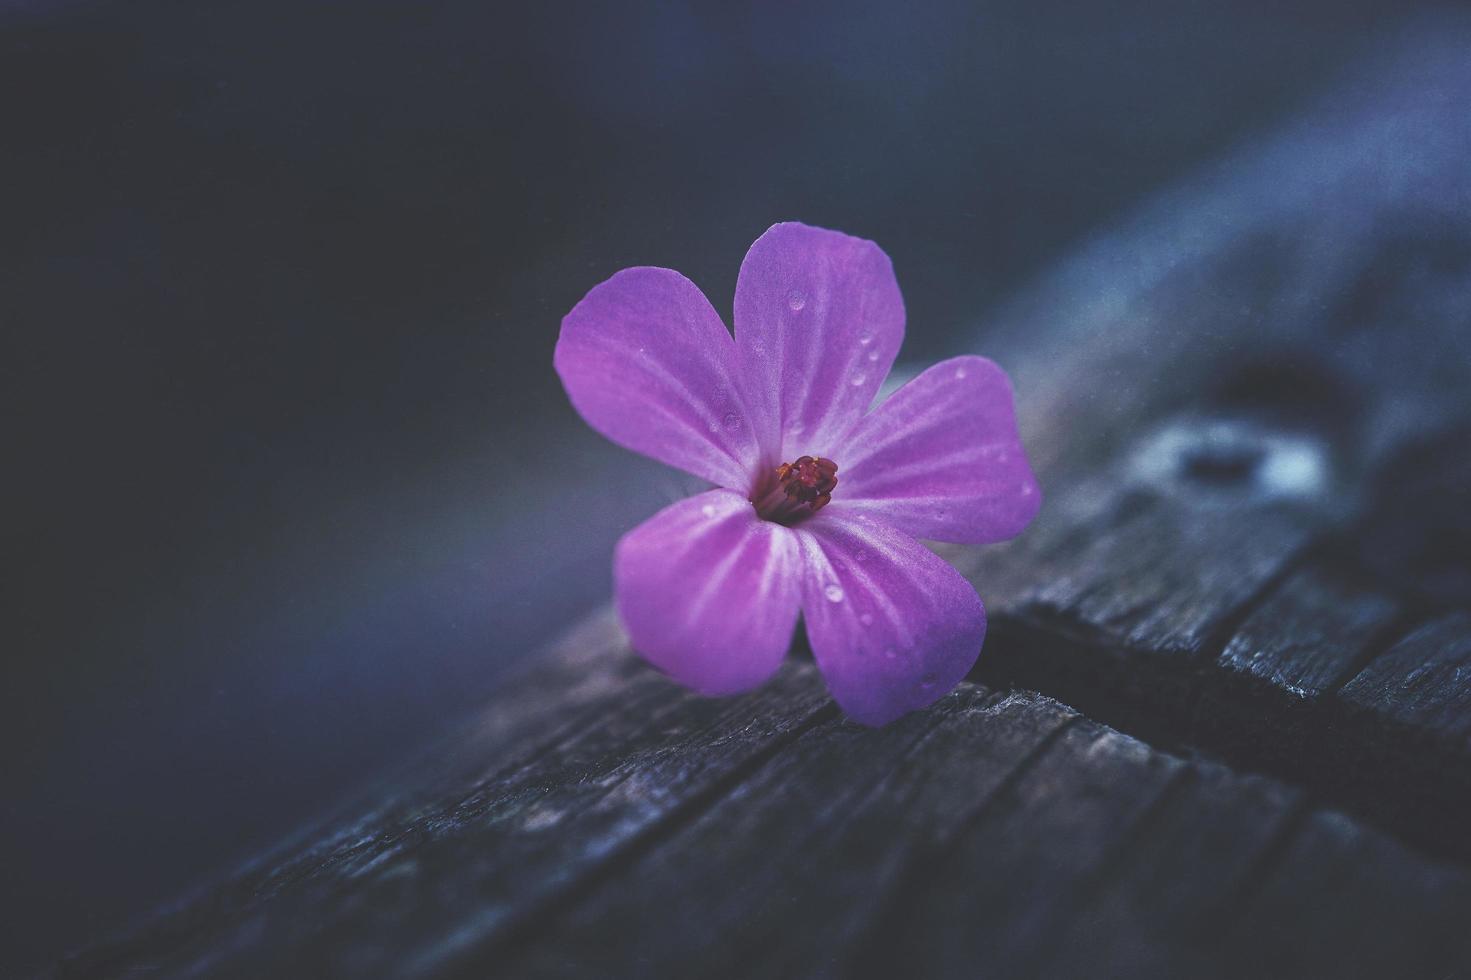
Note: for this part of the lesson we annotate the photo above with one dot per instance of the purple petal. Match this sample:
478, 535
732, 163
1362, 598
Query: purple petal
818, 320
708, 592
647, 362
893, 627
941, 458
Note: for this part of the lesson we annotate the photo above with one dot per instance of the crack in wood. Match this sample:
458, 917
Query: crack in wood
924, 859
1103, 875
521, 931
1382, 641
1234, 904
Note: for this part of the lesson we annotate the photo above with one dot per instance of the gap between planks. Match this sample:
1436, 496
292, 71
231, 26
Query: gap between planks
1179, 731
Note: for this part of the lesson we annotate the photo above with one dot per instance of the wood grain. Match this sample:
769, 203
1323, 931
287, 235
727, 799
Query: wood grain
1221, 726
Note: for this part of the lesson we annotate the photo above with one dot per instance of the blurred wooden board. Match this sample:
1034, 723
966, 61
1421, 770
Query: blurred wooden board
1222, 725
654, 833
1245, 515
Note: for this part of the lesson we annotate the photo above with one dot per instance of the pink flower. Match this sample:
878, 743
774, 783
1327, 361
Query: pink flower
817, 502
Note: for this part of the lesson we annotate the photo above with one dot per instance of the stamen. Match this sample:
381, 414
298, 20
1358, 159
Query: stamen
797, 489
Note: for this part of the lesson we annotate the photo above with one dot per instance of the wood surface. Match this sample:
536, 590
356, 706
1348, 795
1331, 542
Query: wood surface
1221, 726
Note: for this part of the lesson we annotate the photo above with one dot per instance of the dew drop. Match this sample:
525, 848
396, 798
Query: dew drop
708, 510
866, 339
859, 380
866, 619
959, 373
796, 300
1027, 490
873, 355
834, 593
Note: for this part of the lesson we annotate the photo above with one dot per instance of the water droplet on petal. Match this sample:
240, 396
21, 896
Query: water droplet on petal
873, 355
796, 300
708, 510
866, 339
866, 619
834, 593
959, 373
859, 380
1027, 490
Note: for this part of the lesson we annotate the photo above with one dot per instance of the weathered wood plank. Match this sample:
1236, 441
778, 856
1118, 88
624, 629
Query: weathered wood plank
1177, 881
1310, 634
718, 898
996, 897
996, 835
1066, 846
1240, 364
1345, 902
1238, 525
1271, 362
1423, 682
434, 875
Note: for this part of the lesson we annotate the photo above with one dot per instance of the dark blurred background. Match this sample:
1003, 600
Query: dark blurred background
289, 481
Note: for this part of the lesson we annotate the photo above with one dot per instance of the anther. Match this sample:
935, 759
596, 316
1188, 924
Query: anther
810, 480
797, 489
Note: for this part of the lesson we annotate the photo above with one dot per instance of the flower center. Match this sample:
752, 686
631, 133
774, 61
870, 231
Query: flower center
796, 490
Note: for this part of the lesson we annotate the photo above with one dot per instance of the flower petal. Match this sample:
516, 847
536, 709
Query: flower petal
708, 592
892, 626
647, 362
941, 458
819, 320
